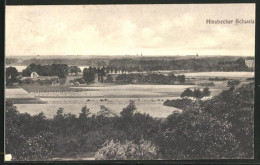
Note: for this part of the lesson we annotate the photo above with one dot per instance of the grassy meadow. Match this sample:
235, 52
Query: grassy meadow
149, 98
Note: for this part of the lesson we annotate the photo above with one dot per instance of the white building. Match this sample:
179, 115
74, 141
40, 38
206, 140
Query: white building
34, 75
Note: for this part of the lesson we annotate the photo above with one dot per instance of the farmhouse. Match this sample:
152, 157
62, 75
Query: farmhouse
34, 75
35, 78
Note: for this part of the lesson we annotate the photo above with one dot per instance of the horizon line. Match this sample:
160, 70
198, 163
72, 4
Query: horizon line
137, 55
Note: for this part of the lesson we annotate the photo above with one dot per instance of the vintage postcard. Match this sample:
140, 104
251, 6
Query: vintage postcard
129, 82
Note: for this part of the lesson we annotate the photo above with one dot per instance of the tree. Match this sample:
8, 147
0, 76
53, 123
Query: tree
88, 75
181, 78
58, 121
104, 112
74, 69
109, 79
83, 122
206, 92
32, 67
187, 92
84, 112
195, 134
99, 73
11, 75
197, 93
115, 69
102, 74
26, 72
127, 113
172, 77
108, 69
60, 70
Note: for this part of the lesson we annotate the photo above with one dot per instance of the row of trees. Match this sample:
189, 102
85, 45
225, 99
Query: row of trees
90, 73
150, 78
60, 70
197, 93
236, 65
218, 128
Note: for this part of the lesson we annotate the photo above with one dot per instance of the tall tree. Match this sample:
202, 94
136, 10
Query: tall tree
102, 74
11, 75
88, 75
60, 70
206, 92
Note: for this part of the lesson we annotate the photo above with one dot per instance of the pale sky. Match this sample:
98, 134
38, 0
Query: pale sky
129, 30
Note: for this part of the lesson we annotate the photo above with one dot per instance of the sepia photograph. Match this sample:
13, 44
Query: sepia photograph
129, 82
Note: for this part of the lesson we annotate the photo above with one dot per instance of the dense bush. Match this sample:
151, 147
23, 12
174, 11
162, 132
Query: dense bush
207, 84
197, 93
236, 107
187, 93
233, 83
196, 134
27, 137
129, 150
151, 78
217, 79
80, 80
230, 115
178, 103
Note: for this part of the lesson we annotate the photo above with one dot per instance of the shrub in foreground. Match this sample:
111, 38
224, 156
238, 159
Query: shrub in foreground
129, 150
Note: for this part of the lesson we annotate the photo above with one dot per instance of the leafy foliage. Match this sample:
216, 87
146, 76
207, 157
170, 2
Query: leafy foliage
88, 75
60, 70
233, 83
74, 70
187, 92
111, 150
197, 93
221, 127
11, 74
178, 103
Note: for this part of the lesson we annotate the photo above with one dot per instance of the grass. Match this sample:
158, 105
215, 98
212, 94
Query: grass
26, 101
220, 74
48, 88
148, 98
155, 109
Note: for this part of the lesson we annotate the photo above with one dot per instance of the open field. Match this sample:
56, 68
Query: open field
149, 99
17, 93
153, 109
220, 74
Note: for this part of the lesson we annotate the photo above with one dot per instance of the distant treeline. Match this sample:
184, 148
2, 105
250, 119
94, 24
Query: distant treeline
90, 73
9, 61
150, 78
152, 63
